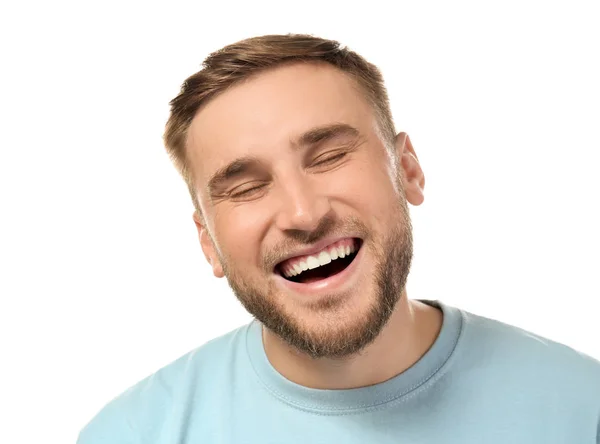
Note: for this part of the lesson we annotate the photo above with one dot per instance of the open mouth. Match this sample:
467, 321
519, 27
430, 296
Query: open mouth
330, 261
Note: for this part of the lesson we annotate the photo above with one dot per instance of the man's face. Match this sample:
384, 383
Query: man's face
291, 171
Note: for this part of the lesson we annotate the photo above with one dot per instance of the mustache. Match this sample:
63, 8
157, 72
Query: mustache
298, 239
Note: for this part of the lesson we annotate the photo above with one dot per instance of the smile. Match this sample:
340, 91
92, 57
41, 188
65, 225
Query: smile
321, 265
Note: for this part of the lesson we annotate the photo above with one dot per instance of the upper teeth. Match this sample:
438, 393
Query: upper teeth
318, 259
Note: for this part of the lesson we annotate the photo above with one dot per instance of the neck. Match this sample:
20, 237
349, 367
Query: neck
409, 333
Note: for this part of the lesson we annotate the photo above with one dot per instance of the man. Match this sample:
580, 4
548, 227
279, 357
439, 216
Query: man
300, 186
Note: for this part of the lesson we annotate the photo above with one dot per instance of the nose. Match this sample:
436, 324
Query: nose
303, 205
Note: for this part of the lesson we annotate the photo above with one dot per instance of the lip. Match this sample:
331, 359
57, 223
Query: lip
342, 280
315, 248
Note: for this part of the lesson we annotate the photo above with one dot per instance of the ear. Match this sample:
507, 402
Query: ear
413, 178
208, 247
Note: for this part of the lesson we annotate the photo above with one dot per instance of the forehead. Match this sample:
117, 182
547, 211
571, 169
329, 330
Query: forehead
260, 117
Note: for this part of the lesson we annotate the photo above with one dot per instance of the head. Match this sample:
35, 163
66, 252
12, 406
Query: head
300, 187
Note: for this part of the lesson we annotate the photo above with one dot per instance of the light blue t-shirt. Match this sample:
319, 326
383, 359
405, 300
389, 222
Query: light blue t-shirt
482, 381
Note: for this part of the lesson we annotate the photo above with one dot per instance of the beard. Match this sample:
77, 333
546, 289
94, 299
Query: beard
338, 335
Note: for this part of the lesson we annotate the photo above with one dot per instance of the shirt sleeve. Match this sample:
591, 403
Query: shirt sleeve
110, 426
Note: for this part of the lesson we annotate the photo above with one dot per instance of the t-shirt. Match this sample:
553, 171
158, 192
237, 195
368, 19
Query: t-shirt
482, 381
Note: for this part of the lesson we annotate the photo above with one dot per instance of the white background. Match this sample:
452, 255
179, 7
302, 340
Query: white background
102, 280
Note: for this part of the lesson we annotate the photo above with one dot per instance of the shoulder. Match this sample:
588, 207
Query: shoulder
145, 405
523, 354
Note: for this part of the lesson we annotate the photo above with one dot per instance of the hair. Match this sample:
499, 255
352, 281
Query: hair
240, 61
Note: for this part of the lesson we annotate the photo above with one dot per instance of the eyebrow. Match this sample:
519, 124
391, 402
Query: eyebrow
324, 133
234, 169
314, 136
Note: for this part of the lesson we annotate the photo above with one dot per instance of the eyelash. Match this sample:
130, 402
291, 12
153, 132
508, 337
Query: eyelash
330, 159
246, 192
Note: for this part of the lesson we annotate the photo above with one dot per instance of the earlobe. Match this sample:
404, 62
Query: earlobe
208, 247
412, 174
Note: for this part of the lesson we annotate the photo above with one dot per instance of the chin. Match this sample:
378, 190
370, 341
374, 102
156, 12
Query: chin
334, 327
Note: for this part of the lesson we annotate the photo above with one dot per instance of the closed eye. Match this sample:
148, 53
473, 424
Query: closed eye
246, 191
328, 159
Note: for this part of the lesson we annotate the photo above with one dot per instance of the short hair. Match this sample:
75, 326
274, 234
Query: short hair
240, 61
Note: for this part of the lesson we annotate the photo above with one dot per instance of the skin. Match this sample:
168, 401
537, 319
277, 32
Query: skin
294, 194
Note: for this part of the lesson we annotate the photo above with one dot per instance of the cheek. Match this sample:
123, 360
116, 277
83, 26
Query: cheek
239, 232
371, 189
